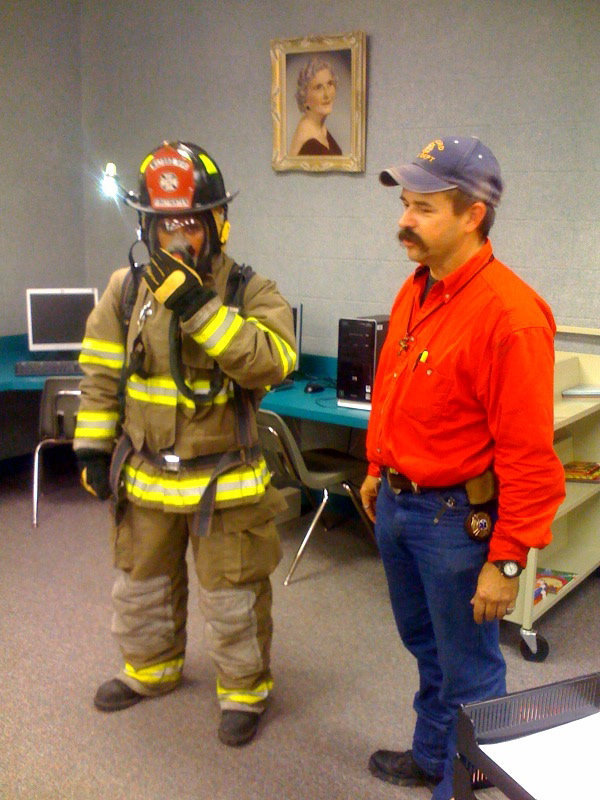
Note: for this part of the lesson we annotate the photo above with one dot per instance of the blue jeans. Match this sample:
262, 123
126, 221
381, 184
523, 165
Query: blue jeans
432, 569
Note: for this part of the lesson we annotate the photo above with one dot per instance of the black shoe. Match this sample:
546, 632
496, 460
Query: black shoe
114, 695
238, 727
400, 769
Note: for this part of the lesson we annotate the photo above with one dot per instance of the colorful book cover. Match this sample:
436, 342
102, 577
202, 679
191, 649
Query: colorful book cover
550, 581
582, 471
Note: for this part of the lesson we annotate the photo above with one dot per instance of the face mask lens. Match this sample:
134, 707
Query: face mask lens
189, 226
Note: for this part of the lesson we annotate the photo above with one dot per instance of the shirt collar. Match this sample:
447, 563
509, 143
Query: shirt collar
457, 279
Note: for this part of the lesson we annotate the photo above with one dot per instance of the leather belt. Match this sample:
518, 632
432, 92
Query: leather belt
400, 483
480, 489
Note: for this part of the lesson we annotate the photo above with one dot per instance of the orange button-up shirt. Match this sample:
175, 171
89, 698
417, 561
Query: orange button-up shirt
465, 382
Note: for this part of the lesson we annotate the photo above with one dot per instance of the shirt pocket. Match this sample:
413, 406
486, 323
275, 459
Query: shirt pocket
426, 393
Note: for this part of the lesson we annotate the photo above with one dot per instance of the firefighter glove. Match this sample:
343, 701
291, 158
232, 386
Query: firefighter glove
94, 468
176, 284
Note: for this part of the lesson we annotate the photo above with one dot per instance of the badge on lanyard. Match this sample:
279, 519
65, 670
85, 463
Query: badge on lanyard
478, 525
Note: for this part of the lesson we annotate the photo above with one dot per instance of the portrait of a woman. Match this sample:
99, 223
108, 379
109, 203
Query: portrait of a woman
315, 95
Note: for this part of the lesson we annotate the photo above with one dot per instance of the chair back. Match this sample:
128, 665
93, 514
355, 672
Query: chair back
280, 448
59, 406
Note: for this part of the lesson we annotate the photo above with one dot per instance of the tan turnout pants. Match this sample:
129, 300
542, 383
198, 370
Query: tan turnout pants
233, 564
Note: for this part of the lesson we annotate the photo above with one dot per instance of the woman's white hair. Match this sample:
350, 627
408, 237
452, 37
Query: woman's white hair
305, 76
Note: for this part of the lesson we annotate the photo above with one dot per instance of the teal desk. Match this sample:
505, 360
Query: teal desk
13, 349
319, 407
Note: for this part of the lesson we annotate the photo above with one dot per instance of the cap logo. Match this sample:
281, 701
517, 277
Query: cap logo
425, 153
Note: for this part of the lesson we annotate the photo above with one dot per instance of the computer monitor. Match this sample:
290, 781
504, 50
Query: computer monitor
56, 317
297, 312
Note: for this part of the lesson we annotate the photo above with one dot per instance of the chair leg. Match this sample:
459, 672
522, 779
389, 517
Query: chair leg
36, 482
355, 497
298, 555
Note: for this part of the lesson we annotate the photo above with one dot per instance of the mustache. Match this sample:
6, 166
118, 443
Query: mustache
407, 235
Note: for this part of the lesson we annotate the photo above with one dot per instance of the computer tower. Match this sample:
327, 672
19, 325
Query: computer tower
360, 340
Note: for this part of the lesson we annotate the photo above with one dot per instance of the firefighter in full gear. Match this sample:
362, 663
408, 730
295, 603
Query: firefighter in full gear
176, 357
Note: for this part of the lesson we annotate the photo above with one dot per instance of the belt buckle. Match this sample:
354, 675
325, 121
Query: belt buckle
171, 462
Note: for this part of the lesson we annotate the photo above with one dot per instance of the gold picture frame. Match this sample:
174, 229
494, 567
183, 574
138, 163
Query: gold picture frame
292, 60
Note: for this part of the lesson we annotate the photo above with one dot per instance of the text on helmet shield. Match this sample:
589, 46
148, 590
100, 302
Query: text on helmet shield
169, 180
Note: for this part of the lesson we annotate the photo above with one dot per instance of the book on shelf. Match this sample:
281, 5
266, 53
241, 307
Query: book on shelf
582, 471
582, 390
550, 581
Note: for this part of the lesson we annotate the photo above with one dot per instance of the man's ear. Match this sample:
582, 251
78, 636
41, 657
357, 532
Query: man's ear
474, 215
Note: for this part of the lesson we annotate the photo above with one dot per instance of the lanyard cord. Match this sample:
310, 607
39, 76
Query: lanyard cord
404, 343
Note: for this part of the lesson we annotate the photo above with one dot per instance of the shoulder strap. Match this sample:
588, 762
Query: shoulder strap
238, 279
129, 291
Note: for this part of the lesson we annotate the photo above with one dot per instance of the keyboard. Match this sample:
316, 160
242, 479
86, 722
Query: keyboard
46, 368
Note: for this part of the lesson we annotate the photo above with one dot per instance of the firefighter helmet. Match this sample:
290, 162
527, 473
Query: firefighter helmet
179, 178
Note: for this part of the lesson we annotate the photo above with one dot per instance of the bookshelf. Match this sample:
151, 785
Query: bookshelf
575, 546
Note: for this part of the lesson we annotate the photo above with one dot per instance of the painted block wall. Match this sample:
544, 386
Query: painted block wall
89, 82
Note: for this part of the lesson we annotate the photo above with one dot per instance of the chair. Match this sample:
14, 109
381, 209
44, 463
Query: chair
58, 412
321, 470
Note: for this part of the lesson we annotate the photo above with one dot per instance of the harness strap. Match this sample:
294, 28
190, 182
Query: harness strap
223, 463
203, 515
121, 453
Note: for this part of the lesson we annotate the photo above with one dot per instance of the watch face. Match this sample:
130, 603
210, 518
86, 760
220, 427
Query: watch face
511, 569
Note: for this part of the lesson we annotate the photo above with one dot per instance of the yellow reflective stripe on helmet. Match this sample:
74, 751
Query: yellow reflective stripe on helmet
218, 332
96, 424
166, 672
210, 165
163, 391
145, 162
179, 492
285, 350
104, 353
249, 696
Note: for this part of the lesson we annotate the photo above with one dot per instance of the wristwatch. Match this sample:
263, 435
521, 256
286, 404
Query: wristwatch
510, 569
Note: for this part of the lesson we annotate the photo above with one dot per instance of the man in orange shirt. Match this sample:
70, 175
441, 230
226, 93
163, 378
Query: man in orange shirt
463, 478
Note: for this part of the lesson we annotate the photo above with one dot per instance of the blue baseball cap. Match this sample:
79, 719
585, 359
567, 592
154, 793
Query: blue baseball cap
454, 162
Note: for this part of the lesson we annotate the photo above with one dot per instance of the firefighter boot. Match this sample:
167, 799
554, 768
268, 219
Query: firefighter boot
238, 727
114, 695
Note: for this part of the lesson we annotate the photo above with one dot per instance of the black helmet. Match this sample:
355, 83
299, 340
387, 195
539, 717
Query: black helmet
179, 178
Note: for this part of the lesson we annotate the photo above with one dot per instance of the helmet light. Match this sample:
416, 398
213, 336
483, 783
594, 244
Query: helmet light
110, 182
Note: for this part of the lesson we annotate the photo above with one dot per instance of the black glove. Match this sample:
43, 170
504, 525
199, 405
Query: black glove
94, 467
176, 284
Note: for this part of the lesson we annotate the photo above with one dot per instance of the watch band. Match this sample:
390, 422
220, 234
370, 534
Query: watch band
509, 568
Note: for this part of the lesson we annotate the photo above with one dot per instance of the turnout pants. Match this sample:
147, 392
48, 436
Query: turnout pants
233, 564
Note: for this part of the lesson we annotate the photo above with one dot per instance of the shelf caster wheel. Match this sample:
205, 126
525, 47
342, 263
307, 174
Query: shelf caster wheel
533, 646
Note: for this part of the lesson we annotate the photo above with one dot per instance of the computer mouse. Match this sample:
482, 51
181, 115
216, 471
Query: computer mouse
311, 387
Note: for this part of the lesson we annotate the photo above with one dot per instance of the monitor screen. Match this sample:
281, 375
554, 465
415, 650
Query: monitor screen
297, 312
56, 317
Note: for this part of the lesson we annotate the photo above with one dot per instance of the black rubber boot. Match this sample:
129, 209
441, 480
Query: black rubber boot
238, 727
114, 695
400, 769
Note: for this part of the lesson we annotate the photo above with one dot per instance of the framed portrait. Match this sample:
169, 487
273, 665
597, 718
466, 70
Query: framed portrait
318, 103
